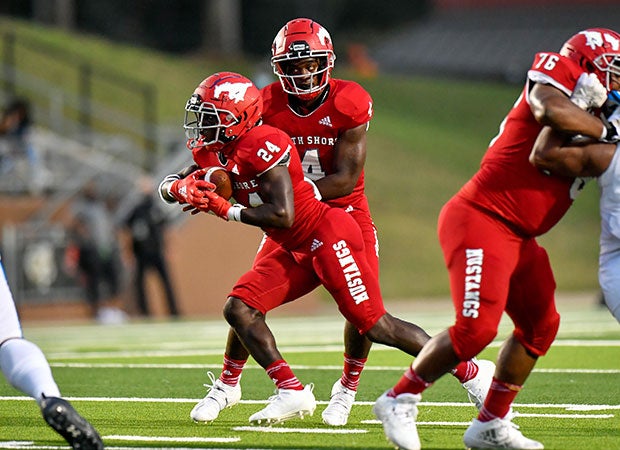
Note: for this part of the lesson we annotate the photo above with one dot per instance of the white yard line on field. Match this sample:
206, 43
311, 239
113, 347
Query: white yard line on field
220, 440
293, 366
283, 348
567, 406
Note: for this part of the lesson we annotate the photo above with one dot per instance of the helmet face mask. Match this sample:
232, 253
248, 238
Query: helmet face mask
303, 76
299, 43
205, 123
596, 50
222, 108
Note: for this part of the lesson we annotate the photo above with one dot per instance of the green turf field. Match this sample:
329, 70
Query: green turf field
137, 383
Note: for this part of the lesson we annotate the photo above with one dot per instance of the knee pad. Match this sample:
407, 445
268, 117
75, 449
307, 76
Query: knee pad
469, 341
538, 337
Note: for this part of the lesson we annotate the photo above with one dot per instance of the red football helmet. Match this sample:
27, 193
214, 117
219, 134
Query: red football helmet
302, 39
596, 50
223, 107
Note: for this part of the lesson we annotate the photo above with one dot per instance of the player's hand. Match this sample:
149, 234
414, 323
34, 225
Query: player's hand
218, 205
589, 92
612, 126
223, 208
191, 189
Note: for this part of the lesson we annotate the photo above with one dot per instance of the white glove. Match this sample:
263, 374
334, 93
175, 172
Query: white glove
589, 92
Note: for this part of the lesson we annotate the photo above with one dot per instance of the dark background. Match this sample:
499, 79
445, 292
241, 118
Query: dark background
185, 26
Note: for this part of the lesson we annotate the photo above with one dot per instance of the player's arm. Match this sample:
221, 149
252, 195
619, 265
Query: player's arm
276, 192
552, 107
277, 209
349, 159
164, 186
555, 153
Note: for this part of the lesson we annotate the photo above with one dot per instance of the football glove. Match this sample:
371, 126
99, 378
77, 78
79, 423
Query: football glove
612, 126
589, 92
191, 189
223, 208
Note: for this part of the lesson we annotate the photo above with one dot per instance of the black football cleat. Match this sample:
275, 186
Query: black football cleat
76, 430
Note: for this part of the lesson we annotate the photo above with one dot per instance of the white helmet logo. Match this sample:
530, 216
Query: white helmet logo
323, 36
595, 39
236, 91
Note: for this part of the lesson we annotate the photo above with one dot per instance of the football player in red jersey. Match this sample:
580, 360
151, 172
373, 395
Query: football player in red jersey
488, 235
327, 120
313, 242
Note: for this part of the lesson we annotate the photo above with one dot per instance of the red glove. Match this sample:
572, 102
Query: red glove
219, 205
191, 189
223, 208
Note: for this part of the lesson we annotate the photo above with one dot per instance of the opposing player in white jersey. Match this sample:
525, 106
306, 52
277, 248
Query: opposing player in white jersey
26, 368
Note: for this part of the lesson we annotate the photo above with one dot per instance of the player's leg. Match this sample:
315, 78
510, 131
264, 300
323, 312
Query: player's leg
159, 263
292, 398
226, 390
270, 283
356, 346
609, 275
531, 306
468, 240
26, 368
140, 288
379, 326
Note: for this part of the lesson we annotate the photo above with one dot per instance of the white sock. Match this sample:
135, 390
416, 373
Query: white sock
24, 365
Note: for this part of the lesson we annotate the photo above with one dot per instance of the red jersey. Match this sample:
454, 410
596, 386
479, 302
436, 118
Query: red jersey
253, 154
347, 106
507, 185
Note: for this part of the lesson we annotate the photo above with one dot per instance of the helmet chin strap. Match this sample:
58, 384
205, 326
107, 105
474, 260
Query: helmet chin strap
305, 107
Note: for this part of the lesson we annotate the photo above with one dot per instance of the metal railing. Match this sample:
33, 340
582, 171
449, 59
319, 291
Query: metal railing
71, 107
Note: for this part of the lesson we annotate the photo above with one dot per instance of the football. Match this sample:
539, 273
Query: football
221, 179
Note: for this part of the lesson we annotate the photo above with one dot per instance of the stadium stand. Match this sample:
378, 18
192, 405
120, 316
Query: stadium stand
488, 41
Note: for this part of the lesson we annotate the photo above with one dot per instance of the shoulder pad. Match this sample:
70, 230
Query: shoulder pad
352, 100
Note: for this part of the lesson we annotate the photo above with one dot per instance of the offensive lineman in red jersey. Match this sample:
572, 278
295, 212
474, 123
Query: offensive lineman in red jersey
314, 243
327, 120
488, 235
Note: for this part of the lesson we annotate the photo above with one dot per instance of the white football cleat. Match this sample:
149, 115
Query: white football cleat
337, 412
497, 433
286, 404
398, 415
478, 387
220, 396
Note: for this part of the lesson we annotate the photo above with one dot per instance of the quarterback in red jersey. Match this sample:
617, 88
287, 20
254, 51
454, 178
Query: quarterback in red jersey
488, 236
327, 120
314, 242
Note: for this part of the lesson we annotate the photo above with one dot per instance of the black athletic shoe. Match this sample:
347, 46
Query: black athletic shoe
61, 416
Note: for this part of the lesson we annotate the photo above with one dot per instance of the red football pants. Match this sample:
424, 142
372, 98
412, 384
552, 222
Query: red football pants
334, 255
493, 270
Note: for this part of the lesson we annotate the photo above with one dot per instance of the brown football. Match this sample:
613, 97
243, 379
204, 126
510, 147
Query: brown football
221, 179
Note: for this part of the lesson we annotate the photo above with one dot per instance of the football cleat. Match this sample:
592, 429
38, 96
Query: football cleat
77, 431
497, 433
337, 412
478, 387
286, 404
398, 415
220, 396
